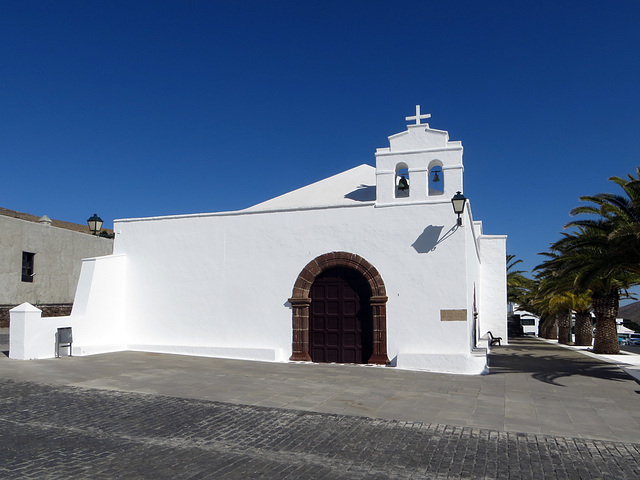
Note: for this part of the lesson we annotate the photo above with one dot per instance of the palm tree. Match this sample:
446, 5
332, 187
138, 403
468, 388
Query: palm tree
560, 308
611, 240
602, 254
518, 286
588, 257
560, 296
619, 217
535, 301
583, 327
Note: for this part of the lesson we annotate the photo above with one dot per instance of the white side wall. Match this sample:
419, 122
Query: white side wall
31, 336
99, 309
493, 305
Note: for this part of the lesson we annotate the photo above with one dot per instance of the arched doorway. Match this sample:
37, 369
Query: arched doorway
340, 317
301, 301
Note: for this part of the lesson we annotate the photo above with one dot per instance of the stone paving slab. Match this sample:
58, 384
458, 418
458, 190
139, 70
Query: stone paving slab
542, 412
77, 433
533, 387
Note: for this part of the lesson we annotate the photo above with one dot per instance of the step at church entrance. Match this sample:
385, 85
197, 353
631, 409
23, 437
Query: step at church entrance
341, 319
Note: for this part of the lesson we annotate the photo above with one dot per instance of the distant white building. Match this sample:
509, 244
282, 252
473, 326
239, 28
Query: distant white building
621, 328
529, 322
355, 268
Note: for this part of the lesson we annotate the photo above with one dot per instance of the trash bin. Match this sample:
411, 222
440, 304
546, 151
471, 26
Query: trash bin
64, 338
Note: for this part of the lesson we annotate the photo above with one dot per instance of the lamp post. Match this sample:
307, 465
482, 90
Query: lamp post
95, 224
458, 201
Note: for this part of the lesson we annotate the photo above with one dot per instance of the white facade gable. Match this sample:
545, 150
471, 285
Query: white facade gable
348, 188
413, 289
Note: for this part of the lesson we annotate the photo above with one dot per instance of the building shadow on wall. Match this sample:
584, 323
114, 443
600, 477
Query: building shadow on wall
431, 237
364, 193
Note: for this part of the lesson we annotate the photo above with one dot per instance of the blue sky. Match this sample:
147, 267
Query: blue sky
143, 108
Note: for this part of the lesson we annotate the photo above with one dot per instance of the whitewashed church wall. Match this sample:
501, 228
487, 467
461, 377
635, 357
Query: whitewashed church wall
494, 285
472, 231
222, 281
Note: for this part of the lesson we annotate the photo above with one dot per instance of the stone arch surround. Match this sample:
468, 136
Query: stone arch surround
300, 302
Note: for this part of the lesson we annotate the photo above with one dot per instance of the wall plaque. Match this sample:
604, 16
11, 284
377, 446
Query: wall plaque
453, 315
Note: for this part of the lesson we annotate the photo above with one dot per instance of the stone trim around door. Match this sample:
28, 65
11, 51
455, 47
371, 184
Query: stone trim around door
300, 301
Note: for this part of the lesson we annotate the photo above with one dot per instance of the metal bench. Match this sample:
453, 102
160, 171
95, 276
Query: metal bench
493, 340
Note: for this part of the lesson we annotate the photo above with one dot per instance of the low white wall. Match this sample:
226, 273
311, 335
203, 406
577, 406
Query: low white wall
472, 364
258, 354
31, 336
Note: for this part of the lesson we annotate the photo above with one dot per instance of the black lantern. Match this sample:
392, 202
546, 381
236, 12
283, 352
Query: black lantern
95, 224
458, 202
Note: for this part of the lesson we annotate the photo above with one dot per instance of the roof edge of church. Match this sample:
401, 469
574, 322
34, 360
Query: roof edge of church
233, 213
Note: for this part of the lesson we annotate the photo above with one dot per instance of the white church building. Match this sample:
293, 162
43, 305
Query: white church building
369, 266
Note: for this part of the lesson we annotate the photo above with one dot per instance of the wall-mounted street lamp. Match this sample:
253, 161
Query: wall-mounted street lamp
95, 224
458, 202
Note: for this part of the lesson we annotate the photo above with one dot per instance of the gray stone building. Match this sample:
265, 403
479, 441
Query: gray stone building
40, 261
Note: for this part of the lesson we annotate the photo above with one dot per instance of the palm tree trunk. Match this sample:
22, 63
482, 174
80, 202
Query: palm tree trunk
584, 329
564, 327
605, 308
548, 328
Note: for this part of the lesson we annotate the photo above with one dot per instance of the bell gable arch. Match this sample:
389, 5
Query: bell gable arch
300, 302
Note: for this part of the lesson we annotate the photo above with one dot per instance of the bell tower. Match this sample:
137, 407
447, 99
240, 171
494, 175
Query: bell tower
420, 165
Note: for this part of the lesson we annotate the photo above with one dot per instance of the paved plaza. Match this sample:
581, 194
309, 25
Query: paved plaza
543, 412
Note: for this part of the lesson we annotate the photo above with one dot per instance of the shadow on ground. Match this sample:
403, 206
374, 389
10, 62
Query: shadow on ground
547, 364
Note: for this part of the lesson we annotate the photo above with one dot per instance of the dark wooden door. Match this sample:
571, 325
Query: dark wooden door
340, 320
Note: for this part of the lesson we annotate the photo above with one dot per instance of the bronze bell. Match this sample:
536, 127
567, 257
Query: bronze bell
403, 184
436, 178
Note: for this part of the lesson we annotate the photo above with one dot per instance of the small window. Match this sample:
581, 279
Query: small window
527, 322
27, 266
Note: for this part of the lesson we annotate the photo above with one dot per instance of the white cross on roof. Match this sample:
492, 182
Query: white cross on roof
418, 117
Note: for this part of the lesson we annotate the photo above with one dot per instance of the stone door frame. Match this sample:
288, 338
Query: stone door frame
300, 301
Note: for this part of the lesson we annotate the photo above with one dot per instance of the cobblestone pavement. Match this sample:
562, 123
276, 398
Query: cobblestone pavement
69, 432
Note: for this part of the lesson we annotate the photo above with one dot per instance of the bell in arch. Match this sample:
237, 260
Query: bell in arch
436, 178
403, 184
